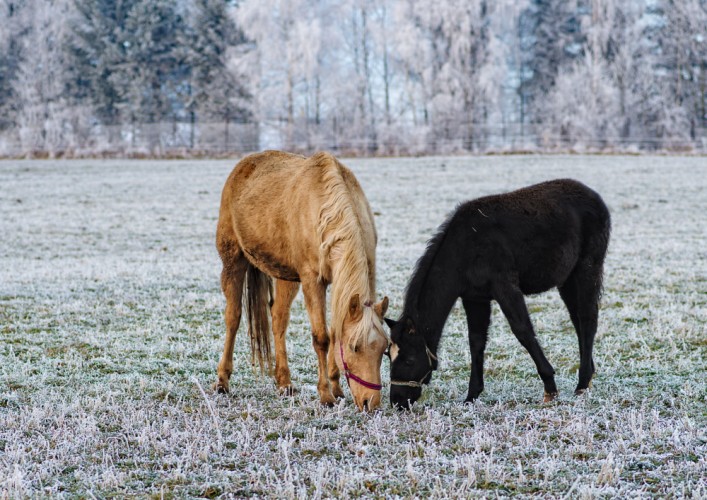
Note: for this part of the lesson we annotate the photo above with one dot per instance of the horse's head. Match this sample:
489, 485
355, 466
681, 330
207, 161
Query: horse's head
360, 350
411, 362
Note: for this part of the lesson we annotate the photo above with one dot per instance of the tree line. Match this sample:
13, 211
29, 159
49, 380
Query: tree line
159, 77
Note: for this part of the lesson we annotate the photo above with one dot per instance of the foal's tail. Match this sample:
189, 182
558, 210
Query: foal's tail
257, 298
598, 243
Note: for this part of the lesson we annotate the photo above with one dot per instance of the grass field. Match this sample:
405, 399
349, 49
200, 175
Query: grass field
111, 326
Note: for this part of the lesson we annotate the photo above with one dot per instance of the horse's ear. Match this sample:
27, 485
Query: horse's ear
381, 307
409, 325
390, 322
355, 311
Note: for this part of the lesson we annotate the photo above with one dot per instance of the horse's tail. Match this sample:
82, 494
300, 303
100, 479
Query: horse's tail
258, 299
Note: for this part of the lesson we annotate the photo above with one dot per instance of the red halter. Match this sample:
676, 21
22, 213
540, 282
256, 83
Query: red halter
348, 374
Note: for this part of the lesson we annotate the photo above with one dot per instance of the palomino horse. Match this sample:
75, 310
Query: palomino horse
302, 220
502, 247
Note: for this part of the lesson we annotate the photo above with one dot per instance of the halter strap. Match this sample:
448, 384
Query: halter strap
348, 373
414, 383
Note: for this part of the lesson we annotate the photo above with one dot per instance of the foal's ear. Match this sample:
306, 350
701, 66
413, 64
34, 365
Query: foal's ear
409, 325
355, 311
390, 322
381, 307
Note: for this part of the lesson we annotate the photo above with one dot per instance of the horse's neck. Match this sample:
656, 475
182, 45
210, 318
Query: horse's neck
434, 300
350, 264
350, 275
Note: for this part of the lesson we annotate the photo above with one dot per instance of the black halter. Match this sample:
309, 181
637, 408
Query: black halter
414, 383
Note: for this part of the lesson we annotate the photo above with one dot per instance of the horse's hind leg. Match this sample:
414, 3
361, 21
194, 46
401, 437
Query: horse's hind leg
232, 276
512, 303
580, 294
285, 292
478, 318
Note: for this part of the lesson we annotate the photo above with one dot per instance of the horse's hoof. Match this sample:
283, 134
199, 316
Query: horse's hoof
339, 394
549, 397
579, 392
220, 388
328, 401
287, 390
470, 401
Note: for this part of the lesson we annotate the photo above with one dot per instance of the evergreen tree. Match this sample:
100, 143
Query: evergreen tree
551, 39
97, 50
217, 93
151, 78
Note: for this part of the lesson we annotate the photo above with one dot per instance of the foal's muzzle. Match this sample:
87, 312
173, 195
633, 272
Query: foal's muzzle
402, 397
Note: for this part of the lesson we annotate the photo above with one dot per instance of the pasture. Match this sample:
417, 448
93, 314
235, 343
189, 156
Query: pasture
111, 327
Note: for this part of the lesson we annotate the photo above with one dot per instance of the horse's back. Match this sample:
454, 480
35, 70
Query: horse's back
272, 206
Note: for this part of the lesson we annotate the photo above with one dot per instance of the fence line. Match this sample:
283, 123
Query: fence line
214, 139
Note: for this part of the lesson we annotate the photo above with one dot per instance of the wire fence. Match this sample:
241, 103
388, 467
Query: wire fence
164, 140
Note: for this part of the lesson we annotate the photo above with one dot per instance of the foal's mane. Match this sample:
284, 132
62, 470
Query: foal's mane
341, 237
416, 285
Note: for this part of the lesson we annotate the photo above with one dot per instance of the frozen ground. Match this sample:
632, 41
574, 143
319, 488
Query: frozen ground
111, 323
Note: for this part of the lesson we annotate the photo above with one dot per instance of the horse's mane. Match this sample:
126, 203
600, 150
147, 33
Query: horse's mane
415, 286
340, 234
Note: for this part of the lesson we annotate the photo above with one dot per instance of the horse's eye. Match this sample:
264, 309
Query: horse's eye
409, 361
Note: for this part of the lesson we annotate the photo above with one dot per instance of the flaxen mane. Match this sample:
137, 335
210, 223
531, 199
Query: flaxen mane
343, 251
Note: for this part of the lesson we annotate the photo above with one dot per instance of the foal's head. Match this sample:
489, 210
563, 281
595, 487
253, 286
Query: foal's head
360, 350
411, 362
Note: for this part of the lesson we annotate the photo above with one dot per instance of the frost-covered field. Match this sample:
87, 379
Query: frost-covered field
111, 326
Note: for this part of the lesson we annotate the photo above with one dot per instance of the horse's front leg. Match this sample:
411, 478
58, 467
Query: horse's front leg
315, 301
478, 318
334, 373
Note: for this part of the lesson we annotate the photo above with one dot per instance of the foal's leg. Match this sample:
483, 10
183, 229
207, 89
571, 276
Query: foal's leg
285, 292
512, 303
581, 296
232, 276
315, 301
478, 318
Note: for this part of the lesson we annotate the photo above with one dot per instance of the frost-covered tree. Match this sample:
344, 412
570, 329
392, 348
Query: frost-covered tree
97, 51
463, 69
46, 120
11, 31
683, 48
216, 89
286, 63
582, 108
551, 39
151, 78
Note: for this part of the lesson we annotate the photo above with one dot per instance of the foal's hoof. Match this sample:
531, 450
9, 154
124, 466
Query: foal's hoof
582, 390
549, 397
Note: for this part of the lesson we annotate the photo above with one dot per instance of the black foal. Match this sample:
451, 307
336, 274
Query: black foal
503, 247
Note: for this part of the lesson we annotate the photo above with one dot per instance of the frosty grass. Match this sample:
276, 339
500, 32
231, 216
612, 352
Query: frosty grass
111, 327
